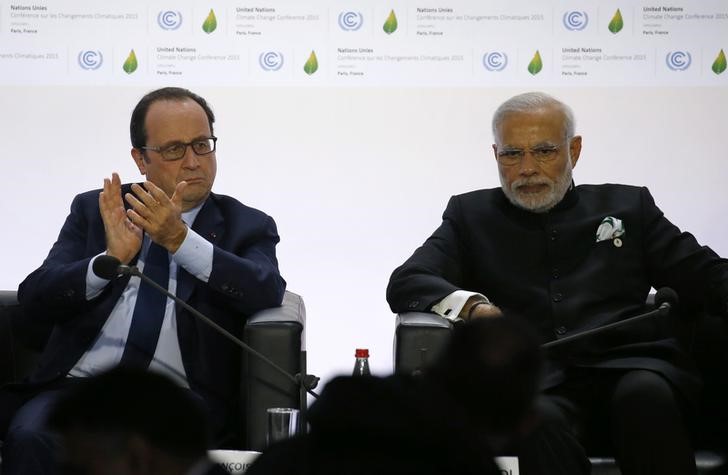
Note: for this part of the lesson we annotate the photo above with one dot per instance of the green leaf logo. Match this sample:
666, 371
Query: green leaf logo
536, 65
719, 65
130, 65
210, 23
390, 25
617, 23
311, 65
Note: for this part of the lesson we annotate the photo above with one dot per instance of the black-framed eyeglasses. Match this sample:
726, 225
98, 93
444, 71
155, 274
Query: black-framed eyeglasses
177, 150
542, 154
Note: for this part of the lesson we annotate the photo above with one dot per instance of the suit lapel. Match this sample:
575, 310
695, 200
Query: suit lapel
208, 224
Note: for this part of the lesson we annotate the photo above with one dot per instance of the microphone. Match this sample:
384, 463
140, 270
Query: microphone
665, 300
109, 267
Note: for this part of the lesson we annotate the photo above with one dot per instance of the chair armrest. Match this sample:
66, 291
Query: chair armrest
21, 341
8, 305
418, 339
277, 333
8, 298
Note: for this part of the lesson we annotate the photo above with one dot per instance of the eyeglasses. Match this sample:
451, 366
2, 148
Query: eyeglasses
177, 150
542, 154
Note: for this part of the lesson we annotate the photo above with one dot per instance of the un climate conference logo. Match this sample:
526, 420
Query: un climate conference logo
678, 60
575, 20
271, 60
169, 20
350, 21
495, 61
90, 59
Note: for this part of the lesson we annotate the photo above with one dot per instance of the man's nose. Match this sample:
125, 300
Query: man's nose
190, 158
528, 165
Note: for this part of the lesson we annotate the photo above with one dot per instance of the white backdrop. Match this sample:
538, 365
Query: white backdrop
355, 154
356, 178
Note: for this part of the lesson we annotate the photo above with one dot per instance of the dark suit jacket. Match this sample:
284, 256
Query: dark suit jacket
549, 268
244, 279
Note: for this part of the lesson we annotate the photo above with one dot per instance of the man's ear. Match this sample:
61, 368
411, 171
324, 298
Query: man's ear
575, 149
495, 151
140, 160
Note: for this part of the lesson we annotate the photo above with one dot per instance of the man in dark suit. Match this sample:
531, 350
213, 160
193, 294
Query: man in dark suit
212, 251
571, 258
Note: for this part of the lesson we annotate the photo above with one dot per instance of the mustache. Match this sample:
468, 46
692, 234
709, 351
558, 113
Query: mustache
531, 181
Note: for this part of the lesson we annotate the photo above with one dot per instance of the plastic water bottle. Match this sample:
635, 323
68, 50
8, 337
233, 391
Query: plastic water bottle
361, 366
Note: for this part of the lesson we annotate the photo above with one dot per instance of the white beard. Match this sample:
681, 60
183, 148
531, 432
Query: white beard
544, 200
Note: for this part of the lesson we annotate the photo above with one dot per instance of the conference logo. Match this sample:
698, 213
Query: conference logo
270, 60
131, 64
616, 23
678, 60
169, 19
90, 59
350, 21
390, 24
311, 65
536, 64
719, 65
575, 20
210, 23
495, 61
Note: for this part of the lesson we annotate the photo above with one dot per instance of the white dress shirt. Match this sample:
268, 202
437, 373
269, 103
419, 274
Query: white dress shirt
450, 306
195, 256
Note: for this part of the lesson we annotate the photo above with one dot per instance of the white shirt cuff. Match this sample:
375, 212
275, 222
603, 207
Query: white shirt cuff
195, 255
450, 306
94, 284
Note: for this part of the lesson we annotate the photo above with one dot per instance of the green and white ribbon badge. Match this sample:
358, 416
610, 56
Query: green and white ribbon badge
611, 228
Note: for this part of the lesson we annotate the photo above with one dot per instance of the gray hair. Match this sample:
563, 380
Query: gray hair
529, 101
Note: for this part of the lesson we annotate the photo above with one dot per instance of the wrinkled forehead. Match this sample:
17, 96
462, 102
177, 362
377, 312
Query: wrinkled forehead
176, 120
545, 125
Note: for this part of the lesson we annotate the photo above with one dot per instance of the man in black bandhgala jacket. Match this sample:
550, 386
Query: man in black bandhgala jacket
572, 258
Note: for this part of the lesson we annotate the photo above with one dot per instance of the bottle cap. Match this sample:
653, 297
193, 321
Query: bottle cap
361, 353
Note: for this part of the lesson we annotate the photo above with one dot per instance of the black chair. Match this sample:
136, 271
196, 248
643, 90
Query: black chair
277, 333
420, 337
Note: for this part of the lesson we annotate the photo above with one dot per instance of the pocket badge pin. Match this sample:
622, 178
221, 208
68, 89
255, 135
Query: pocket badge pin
611, 228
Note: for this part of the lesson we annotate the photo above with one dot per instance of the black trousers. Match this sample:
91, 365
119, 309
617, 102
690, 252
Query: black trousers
638, 411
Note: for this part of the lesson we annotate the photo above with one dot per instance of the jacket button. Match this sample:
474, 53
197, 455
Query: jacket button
414, 304
558, 297
554, 234
561, 330
555, 273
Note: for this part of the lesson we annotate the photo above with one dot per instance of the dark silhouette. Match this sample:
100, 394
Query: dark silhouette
478, 395
128, 421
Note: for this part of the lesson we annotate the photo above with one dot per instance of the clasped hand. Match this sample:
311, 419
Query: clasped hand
152, 211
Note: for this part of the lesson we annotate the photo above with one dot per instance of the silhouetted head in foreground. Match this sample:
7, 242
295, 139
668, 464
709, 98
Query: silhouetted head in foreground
129, 422
453, 420
491, 366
